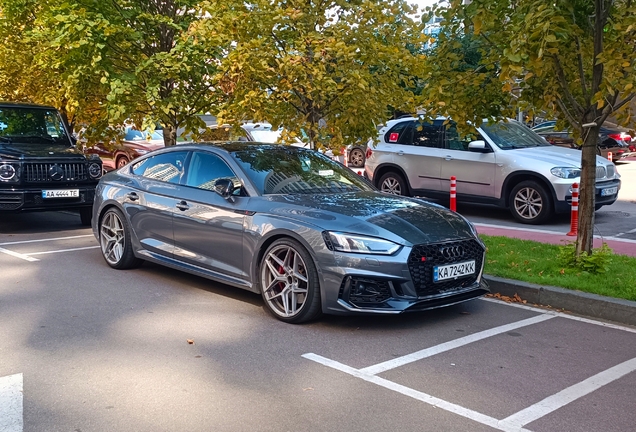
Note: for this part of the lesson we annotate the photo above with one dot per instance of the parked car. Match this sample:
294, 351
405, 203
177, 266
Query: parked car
291, 224
134, 144
40, 168
612, 138
505, 164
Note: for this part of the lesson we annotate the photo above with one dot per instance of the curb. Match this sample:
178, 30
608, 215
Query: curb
591, 305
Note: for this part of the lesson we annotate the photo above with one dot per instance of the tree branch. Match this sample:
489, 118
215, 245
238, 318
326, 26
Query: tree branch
564, 84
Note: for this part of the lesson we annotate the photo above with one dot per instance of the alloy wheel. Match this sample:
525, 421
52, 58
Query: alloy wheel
112, 238
284, 281
391, 185
528, 203
356, 158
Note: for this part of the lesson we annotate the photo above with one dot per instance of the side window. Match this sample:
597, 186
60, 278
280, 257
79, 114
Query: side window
401, 133
428, 135
456, 142
167, 167
205, 169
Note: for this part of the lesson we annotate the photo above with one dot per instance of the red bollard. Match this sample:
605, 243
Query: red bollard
453, 193
609, 156
344, 157
574, 220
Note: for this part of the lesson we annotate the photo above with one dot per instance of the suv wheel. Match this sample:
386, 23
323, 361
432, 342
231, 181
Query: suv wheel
393, 183
530, 203
356, 158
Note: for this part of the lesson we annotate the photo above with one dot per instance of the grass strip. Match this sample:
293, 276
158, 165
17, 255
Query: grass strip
539, 263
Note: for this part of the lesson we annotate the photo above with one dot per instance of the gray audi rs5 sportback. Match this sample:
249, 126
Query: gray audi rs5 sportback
289, 223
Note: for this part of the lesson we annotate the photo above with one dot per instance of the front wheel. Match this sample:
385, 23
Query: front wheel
289, 282
114, 240
530, 203
122, 162
393, 183
86, 215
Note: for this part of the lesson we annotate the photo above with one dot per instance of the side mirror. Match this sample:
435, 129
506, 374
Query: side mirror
478, 146
224, 187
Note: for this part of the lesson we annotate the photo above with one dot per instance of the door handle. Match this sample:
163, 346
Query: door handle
448, 157
132, 196
400, 153
183, 206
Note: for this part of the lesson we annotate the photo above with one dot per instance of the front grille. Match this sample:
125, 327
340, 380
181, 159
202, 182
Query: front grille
10, 201
442, 254
365, 292
41, 172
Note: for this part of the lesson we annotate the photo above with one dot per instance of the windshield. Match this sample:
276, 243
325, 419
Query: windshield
293, 170
512, 135
137, 135
32, 126
266, 135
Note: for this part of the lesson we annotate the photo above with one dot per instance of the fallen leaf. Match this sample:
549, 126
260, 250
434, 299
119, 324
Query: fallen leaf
562, 271
308, 388
191, 342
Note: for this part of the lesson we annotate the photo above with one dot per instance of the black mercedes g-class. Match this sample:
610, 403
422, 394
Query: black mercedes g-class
40, 168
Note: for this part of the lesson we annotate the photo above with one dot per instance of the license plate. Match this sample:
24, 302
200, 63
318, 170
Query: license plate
453, 271
61, 193
609, 191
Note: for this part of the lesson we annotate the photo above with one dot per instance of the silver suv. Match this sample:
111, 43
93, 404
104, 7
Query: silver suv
506, 164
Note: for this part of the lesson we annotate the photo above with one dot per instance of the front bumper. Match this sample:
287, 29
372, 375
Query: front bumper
365, 284
31, 199
564, 205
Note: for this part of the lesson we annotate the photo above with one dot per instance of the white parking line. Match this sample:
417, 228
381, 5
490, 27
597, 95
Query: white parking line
407, 391
615, 238
63, 250
570, 394
456, 343
561, 315
18, 255
45, 240
11, 399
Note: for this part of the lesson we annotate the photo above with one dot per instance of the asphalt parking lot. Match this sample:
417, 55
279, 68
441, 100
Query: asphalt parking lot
88, 348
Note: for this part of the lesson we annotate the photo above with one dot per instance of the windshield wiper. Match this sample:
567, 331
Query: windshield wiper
48, 138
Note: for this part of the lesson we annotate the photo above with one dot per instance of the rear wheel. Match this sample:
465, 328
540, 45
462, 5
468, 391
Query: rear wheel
530, 203
122, 161
114, 240
289, 282
356, 158
393, 183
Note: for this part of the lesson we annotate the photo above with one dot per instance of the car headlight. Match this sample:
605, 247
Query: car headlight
8, 173
142, 151
566, 172
352, 243
95, 170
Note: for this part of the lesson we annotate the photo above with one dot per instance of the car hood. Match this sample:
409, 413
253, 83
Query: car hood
400, 219
18, 150
145, 145
554, 155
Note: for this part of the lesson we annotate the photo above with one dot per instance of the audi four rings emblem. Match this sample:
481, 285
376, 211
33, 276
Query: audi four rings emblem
56, 172
452, 251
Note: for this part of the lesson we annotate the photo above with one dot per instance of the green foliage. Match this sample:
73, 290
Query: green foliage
539, 263
569, 59
597, 261
327, 69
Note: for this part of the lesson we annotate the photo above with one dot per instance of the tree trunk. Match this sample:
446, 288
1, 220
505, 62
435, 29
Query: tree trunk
585, 235
169, 135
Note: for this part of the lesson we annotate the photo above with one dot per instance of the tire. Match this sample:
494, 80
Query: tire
86, 215
530, 203
356, 158
393, 183
114, 241
122, 161
289, 282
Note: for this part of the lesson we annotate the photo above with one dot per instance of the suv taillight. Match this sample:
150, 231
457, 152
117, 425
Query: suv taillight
621, 137
369, 153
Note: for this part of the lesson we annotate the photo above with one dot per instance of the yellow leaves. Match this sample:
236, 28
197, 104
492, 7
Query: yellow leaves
626, 64
629, 86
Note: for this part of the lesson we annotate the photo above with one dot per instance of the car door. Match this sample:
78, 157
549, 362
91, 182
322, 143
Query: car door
474, 171
418, 151
208, 229
150, 205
